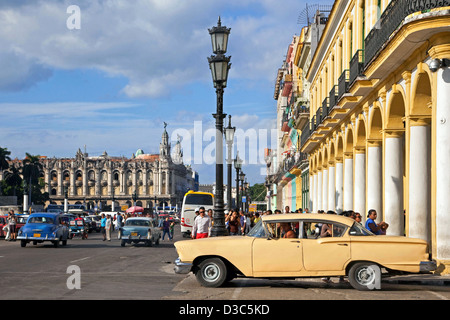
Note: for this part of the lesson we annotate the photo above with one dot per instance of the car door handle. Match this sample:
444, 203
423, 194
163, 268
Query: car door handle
342, 244
295, 241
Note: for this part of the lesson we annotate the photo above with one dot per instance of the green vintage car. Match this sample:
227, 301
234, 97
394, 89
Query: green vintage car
138, 230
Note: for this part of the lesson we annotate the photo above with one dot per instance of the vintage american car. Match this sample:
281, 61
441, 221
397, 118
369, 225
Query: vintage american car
140, 229
44, 226
348, 249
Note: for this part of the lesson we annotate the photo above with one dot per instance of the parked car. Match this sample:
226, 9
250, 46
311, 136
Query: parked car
44, 226
3, 223
21, 220
96, 222
349, 250
137, 229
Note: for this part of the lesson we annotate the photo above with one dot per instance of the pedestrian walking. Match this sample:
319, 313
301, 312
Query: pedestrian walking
103, 226
201, 225
166, 228
119, 225
109, 225
12, 222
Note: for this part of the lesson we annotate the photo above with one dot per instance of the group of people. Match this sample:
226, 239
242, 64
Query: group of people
11, 227
370, 224
107, 225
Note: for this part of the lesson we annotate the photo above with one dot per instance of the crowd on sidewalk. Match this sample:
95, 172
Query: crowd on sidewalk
239, 223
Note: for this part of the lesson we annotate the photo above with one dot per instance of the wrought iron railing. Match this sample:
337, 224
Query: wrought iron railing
390, 20
324, 112
333, 99
306, 133
343, 83
356, 66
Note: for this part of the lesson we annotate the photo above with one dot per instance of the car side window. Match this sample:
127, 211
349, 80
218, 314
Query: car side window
322, 229
285, 229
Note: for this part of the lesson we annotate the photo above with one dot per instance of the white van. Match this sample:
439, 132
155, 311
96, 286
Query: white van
193, 200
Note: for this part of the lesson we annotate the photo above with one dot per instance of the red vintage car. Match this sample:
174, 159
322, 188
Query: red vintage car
21, 220
3, 222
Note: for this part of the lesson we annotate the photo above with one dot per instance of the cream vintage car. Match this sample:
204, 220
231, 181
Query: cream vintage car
347, 250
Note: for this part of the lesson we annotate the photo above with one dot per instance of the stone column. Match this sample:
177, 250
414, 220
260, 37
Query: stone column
374, 178
325, 189
360, 181
316, 196
393, 182
311, 193
319, 189
348, 181
442, 149
339, 193
331, 187
420, 179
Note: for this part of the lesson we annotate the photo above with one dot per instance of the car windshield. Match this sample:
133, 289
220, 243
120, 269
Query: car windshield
257, 231
41, 220
22, 219
358, 230
138, 223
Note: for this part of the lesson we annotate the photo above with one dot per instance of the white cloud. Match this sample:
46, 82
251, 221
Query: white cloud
158, 45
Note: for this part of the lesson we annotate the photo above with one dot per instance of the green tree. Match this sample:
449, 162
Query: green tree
4, 158
13, 182
31, 172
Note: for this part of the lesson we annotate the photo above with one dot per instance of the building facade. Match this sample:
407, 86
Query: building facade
379, 129
153, 179
287, 166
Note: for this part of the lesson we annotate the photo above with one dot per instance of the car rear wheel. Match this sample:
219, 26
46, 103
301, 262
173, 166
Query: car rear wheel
365, 276
23, 243
212, 273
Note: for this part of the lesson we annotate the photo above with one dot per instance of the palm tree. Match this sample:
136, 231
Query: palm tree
4, 158
13, 179
31, 171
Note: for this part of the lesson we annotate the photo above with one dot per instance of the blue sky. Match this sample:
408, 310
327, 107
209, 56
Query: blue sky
133, 65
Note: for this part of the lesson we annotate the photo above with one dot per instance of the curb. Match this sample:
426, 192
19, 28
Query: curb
430, 280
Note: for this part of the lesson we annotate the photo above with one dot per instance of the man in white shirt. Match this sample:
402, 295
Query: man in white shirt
201, 225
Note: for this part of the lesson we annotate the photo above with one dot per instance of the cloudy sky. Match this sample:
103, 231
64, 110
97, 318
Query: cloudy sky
133, 65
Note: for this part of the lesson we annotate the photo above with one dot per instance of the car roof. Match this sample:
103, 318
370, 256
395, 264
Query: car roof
47, 214
308, 216
139, 218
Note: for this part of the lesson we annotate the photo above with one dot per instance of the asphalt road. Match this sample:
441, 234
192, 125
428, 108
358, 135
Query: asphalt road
106, 271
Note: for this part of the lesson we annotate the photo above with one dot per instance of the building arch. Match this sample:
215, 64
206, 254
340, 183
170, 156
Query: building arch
421, 101
375, 126
360, 141
395, 113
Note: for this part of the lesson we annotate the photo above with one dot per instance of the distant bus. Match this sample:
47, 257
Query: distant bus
60, 207
193, 200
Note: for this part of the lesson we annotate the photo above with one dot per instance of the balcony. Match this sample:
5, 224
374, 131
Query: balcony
343, 83
391, 19
333, 98
356, 66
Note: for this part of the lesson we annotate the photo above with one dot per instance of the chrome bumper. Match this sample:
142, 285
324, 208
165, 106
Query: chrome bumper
182, 267
428, 266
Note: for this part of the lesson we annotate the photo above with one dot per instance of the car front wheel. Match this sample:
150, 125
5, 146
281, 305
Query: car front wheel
365, 276
212, 273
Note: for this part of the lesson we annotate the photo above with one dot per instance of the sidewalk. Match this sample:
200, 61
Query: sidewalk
419, 279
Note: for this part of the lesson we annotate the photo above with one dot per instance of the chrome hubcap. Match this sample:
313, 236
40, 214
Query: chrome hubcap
211, 272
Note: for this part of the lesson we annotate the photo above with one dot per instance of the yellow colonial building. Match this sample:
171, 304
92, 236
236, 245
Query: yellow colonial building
379, 130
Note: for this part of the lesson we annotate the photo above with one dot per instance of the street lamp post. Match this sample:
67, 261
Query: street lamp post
219, 65
113, 203
241, 179
237, 166
229, 137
